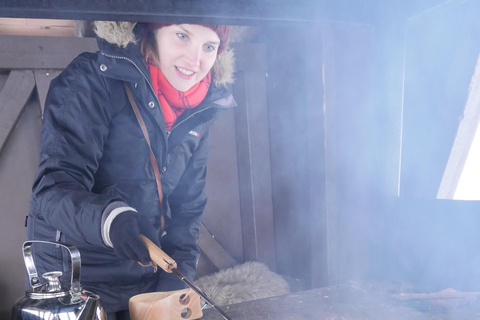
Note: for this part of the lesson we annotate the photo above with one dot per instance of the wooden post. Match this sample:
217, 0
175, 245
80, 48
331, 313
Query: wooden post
13, 98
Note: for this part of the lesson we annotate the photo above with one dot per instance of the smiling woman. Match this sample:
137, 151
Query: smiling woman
99, 184
191, 55
192, 50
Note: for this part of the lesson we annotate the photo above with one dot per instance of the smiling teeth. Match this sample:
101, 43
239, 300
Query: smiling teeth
185, 72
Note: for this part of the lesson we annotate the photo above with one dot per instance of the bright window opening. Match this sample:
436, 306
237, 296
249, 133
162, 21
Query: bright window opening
461, 179
468, 187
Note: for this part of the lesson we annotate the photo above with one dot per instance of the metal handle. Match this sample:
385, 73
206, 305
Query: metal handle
32, 270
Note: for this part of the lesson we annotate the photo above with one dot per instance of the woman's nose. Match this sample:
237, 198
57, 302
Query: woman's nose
194, 56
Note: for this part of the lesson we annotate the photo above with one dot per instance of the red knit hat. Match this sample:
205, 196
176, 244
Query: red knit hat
221, 30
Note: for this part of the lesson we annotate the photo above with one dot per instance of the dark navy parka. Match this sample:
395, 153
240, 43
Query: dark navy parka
95, 157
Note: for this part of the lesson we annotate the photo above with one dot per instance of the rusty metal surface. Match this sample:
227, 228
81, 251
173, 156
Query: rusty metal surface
345, 302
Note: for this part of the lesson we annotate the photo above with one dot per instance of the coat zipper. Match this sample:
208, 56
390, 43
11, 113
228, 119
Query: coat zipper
151, 88
139, 70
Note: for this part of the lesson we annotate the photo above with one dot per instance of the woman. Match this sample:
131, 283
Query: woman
96, 187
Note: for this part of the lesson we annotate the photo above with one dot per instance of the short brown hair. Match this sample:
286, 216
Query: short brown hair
149, 43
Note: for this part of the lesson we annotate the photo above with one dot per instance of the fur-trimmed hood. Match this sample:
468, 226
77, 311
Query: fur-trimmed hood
122, 34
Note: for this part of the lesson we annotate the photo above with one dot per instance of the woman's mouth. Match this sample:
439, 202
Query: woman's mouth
184, 72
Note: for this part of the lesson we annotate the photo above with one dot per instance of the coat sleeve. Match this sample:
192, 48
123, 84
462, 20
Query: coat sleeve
75, 126
187, 202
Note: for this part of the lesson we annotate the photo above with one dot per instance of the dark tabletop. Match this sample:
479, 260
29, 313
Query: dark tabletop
352, 301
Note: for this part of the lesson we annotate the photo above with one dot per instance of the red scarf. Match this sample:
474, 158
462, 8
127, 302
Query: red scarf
172, 101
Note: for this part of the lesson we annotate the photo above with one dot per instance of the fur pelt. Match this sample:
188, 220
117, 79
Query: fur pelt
121, 34
248, 281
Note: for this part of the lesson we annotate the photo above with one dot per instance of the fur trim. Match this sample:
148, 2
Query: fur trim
248, 281
121, 34
224, 68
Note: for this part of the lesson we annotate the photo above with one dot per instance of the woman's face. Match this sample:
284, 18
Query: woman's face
186, 52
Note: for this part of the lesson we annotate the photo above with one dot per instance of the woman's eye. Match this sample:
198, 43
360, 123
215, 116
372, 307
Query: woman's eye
209, 48
181, 36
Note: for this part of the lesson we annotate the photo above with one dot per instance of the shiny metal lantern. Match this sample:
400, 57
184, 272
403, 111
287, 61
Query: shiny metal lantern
52, 301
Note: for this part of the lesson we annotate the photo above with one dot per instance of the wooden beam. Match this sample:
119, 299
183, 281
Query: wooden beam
24, 52
84, 29
180, 11
213, 250
13, 98
254, 167
320, 137
37, 27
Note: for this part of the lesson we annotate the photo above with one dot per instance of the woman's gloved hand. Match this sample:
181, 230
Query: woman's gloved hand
124, 234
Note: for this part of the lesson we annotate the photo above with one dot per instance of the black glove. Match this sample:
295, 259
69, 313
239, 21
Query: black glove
124, 234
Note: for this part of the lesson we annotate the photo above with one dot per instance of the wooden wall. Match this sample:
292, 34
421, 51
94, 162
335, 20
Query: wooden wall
319, 110
18, 162
27, 65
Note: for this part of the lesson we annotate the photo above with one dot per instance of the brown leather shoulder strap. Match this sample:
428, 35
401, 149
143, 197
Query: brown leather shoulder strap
153, 160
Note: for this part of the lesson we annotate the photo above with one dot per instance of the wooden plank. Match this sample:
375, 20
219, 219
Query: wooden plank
50, 22
13, 97
35, 30
213, 250
288, 145
42, 81
254, 168
321, 161
13, 21
24, 52
222, 215
36, 22
244, 171
84, 29
37, 27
